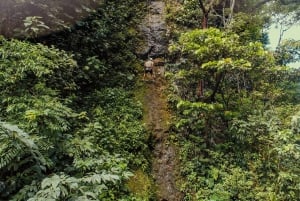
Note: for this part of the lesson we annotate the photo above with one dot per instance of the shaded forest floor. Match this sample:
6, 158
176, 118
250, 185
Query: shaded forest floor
157, 118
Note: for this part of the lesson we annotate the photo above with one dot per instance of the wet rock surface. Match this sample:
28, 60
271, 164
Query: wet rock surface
154, 31
164, 162
56, 15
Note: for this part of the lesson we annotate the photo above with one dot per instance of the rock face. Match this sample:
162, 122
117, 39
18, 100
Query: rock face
56, 15
165, 161
154, 31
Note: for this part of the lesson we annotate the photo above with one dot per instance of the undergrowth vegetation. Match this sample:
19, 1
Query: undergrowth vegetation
237, 111
70, 124
71, 127
51, 147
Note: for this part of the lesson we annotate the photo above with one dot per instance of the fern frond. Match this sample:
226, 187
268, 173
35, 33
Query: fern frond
101, 178
19, 149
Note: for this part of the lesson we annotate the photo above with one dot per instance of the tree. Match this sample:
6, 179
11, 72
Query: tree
223, 60
62, 139
218, 8
205, 11
287, 52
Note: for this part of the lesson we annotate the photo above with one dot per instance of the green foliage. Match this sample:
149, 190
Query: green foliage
116, 127
186, 15
35, 18
75, 132
16, 140
107, 38
33, 81
21, 158
248, 27
24, 66
69, 137
140, 184
34, 25
284, 11
212, 44
89, 154
239, 140
258, 161
63, 187
227, 64
197, 118
287, 52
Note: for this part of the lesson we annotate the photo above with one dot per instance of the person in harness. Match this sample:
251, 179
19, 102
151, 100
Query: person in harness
149, 68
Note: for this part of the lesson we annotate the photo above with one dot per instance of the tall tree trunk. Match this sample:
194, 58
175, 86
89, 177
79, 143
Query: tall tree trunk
230, 16
204, 25
204, 22
219, 78
205, 12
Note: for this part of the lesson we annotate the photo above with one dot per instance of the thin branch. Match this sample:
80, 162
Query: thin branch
259, 4
202, 6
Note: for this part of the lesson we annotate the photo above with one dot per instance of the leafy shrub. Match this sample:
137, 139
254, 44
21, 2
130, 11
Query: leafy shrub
62, 142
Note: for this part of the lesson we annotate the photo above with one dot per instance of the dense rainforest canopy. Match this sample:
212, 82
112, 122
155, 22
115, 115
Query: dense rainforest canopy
72, 116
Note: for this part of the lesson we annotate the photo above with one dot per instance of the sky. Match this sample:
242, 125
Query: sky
292, 33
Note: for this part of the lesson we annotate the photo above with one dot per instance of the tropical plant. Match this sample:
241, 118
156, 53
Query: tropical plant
234, 111
71, 135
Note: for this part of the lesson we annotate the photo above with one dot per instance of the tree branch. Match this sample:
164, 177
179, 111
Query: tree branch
202, 6
259, 4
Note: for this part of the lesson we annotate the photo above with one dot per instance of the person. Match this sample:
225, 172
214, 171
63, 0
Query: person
149, 68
